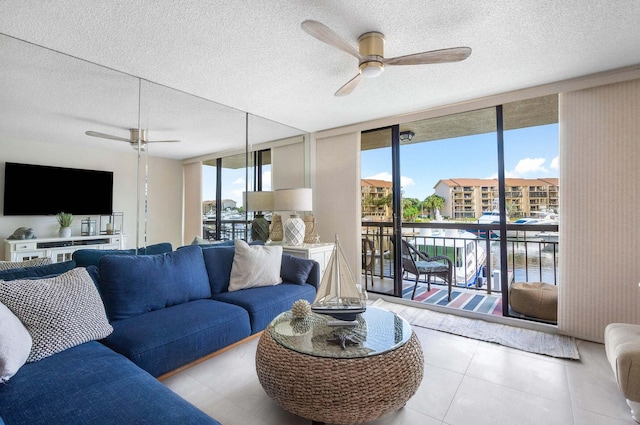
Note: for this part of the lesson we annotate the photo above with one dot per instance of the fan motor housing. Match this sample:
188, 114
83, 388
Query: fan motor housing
371, 47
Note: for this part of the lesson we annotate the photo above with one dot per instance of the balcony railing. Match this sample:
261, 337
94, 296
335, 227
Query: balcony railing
532, 250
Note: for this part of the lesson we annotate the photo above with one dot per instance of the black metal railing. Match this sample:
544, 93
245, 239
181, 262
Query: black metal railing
532, 250
229, 229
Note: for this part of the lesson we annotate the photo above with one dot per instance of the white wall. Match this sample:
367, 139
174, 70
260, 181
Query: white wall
337, 193
192, 201
165, 189
600, 209
287, 166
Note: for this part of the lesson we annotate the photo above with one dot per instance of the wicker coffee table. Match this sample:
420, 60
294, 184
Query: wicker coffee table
303, 366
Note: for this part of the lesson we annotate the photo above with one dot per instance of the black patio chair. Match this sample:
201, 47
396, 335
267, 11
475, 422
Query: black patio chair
368, 262
420, 263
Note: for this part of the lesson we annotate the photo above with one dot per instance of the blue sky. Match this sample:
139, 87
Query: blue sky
529, 153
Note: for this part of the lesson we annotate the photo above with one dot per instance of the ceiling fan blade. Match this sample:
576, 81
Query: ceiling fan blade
348, 88
327, 35
453, 54
161, 141
106, 136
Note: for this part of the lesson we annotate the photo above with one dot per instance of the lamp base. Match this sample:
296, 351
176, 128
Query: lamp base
260, 228
294, 230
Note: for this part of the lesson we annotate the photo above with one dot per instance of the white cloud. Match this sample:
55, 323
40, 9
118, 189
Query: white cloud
555, 163
239, 180
406, 181
386, 176
529, 166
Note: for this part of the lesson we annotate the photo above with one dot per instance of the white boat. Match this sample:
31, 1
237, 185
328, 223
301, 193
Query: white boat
466, 251
487, 217
338, 295
544, 217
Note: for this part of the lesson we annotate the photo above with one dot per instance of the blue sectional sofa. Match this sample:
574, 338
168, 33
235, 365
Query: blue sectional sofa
167, 310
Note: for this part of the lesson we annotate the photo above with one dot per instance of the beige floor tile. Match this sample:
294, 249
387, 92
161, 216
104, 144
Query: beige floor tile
533, 375
478, 402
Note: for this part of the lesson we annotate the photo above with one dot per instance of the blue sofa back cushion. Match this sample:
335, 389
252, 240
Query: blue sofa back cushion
218, 261
91, 257
49, 270
132, 285
295, 269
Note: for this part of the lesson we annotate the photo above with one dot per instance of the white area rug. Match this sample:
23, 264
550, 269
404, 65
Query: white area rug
553, 345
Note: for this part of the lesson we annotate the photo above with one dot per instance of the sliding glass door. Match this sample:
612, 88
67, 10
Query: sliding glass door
461, 185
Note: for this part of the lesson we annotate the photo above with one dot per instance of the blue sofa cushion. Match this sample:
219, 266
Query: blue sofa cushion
131, 285
218, 261
295, 269
88, 257
48, 270
166, 339
91, 384
264, 303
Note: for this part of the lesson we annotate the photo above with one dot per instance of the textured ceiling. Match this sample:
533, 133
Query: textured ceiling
252, 56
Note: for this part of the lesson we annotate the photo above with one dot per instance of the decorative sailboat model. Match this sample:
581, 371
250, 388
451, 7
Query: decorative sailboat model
338, 295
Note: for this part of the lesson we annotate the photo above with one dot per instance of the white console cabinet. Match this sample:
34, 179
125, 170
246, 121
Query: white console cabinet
59, 249
321, 252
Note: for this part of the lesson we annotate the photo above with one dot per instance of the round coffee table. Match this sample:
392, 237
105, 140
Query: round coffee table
336, 374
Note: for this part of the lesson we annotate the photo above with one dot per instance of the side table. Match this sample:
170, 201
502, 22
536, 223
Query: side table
301, 365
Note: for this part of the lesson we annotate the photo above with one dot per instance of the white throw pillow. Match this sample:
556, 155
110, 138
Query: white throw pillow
255, 265
59, 312
41, 261
15, 344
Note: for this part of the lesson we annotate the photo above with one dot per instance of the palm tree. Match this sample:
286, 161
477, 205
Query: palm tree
433, 202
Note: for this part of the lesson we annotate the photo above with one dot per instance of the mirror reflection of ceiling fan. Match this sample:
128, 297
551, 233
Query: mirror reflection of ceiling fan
370, 53
134, 137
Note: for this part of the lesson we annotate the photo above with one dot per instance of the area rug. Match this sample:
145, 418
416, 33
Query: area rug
549, 344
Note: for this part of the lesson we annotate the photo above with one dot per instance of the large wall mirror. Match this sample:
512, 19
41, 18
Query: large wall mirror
50, 100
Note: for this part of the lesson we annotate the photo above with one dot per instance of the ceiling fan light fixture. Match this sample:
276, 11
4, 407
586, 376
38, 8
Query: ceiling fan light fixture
371, 69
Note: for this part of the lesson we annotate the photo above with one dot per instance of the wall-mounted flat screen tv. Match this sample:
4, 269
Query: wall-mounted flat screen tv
44, 190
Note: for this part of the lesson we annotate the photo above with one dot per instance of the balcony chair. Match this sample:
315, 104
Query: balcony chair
420, 263
368, 262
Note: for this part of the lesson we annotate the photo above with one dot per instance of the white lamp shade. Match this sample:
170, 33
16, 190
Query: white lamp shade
258, 201
299, 199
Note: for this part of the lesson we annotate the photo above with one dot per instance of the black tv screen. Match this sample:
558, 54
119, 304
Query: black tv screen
44, 190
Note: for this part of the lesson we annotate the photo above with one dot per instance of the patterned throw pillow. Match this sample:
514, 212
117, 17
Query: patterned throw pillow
59, 312
7, 265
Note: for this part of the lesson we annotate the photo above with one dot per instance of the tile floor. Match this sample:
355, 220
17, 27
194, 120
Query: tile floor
466, 382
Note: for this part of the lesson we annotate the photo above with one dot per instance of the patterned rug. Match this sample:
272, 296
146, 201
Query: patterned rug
549, 344
460, 299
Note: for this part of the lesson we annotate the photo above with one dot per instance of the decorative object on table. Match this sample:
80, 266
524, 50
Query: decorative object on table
310, 234
64, 220
294, 200
259, 202
23, 233
276, 232
301, 309
301, 316
111, 224
88, 227
343, 339
338, 295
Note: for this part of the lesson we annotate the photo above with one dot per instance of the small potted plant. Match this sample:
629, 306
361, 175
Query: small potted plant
64, 220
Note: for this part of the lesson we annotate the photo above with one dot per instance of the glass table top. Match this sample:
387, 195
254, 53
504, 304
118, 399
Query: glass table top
377, 332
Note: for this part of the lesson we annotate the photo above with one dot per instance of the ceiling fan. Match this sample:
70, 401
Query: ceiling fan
370, 53
134, 136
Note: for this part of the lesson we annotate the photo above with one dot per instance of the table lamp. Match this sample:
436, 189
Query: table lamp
293, 200
259, 202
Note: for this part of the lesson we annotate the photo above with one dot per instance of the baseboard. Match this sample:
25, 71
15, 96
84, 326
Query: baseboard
207, 357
